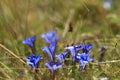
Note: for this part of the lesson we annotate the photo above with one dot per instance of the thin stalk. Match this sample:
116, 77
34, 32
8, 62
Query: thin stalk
2, 46
53, 75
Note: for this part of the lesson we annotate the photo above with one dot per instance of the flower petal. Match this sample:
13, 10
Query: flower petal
33, 60
56, 66
52, 48
50, 37
88, 47
29, 41
84, 59
52, 66
61, 57
72, 51
79, 47
48, 66
48, 52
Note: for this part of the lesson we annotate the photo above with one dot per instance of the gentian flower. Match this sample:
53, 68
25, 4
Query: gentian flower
50, 37
33, 61
78, 48
52, 48
61, 57
83, 59
53, 66
87, 48
49, 52
77, 57
72, 52
51, 40
29, 41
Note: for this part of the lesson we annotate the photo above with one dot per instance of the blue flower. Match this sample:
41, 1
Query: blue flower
77, 57
78, 47
87, 48
53, 66
29, 41
50, 51
52, 48
74, 49
61, 57
83, 59
33, 60
72, 52
50, 37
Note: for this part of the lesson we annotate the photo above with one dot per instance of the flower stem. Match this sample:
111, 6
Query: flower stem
52, 75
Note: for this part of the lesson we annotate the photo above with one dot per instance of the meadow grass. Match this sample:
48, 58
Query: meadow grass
74, 21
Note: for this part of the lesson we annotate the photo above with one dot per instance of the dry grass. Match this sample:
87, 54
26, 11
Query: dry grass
74, 21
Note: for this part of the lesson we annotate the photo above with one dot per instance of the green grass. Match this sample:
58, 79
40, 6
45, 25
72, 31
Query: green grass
20, 19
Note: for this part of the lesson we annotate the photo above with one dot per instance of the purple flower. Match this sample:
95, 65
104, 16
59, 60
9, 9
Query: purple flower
50, 51
78, 48
61, 57
53, 66
52, 48
72, 52
77, 57
87, 48
83, 59
29, 41
33, 60
50, 37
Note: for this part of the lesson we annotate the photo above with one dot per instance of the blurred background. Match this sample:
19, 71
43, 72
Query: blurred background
95, 21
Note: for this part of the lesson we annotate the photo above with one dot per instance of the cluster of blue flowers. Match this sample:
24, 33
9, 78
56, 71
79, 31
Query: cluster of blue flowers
33, 59
82, 58
51, 41
57, 61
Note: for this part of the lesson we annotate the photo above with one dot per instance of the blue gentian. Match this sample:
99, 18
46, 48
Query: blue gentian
78, 48
53, 66
77, 57
33, 61
83, 59
52, 48
61, 57
87, 48
49, 52
30, 41
51, 40
50, 37
72, 52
